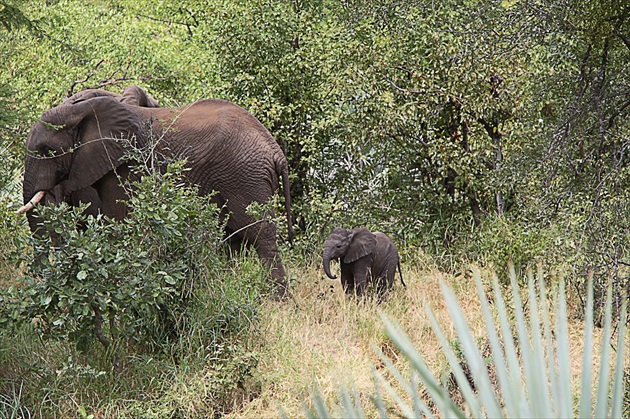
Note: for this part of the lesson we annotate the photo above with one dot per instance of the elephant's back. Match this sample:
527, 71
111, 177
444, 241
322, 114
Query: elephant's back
221, 123
385, 243
227, 148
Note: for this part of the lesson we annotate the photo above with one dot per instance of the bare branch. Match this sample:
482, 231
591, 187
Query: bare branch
624, 38
400, 89
76, 82
188, 26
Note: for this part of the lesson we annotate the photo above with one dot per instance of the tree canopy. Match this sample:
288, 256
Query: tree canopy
430, 121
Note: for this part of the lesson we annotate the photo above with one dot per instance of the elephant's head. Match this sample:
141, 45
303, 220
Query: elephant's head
348, 246
75, 144
132, 95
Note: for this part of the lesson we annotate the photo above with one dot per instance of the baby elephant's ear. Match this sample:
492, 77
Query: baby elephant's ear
362, 244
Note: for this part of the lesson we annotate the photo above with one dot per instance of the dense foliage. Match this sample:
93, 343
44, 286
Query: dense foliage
475, 131
156, 283
128, 280
431, 122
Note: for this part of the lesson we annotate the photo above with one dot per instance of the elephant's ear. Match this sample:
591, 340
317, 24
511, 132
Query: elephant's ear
134, 95
104, 130
88, 94
362, 244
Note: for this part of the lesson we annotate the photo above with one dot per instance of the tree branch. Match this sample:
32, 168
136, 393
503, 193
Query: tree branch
621, 36
76, 82
174, 22
98, 326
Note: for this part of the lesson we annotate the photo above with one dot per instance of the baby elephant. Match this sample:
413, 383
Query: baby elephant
363, 255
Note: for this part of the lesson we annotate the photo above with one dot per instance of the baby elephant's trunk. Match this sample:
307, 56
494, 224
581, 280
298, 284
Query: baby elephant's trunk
326, 263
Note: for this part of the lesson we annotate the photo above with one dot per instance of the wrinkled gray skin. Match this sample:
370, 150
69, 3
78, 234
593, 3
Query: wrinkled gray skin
109, 185
227, 150
363, 256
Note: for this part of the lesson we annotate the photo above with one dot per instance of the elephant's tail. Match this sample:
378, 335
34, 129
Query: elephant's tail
282, 170
400, 272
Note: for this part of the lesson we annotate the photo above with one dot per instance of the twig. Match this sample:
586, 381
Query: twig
74, 84
242, 228
170, 21
623, 38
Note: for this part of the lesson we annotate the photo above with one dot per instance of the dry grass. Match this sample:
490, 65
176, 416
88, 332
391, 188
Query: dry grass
324, 339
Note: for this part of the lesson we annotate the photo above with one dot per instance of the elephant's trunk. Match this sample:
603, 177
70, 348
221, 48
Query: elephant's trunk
326, 263
39, 179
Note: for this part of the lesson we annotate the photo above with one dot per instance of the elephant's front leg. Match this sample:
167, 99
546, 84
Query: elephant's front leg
361, 276
347, 277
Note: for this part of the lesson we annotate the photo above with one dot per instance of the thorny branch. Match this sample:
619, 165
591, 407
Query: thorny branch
188, 25
110, 79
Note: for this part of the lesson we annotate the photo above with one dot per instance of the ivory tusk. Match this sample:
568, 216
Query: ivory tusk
31, 204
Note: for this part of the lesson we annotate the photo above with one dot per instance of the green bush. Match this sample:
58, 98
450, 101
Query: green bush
499, 241
152, 298
128, 280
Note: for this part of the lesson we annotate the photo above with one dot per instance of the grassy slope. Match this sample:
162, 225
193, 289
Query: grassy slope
323, 338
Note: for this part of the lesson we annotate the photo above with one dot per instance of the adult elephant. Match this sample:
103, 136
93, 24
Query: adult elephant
75, 154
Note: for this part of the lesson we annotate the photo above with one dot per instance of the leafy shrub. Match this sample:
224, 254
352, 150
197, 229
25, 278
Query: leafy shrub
128, 280
499, 241
155, 289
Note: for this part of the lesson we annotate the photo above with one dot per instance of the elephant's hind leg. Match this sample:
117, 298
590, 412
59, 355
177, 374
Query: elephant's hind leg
383, 286
264, 240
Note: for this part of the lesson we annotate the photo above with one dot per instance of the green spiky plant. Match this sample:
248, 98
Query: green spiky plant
531, 362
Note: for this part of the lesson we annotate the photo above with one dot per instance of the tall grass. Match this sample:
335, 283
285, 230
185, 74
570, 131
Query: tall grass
525, 373
323, 354
321, 337
206, 371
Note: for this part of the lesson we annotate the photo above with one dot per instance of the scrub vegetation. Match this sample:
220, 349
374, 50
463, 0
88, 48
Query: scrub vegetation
488, 140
